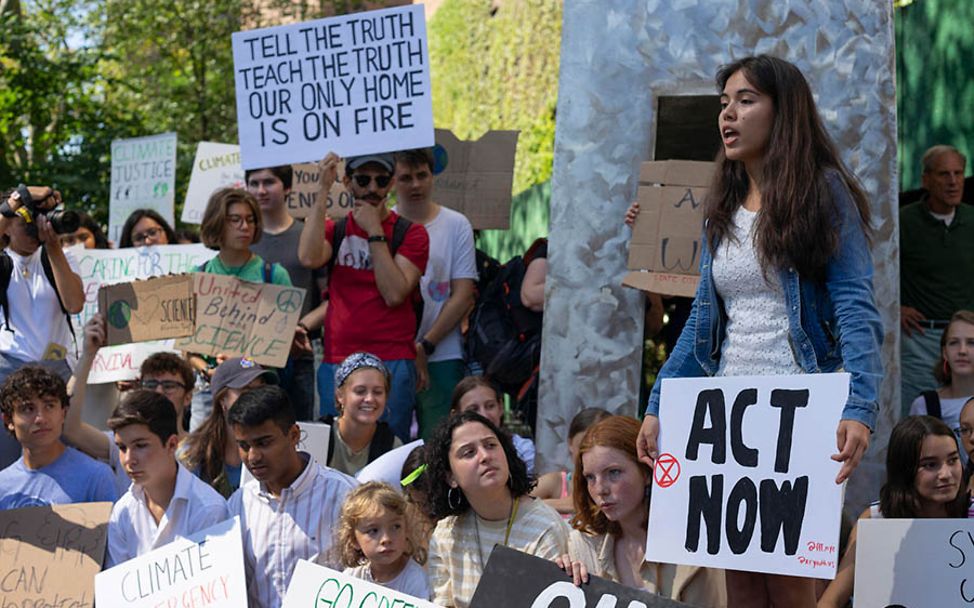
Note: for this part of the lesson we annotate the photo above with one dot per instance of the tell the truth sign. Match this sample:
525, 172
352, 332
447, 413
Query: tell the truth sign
744, 479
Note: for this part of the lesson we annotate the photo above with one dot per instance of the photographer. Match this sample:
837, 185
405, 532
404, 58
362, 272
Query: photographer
40, 287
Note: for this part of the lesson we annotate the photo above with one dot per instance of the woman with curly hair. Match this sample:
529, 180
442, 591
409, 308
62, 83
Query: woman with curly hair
478, 490
611, 494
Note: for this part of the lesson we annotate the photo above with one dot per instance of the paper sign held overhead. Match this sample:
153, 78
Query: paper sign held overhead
314, 585
476, 177
305, 187
215, 166
143, 176
354, 84
744, 478
41, 545
153, 309
240, 318
664, 253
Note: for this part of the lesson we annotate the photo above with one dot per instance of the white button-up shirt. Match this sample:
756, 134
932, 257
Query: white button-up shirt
133, 531
280, 530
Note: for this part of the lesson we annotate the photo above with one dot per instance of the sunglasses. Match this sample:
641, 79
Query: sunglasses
363, 181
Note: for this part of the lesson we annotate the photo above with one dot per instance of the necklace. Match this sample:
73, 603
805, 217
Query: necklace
507, 534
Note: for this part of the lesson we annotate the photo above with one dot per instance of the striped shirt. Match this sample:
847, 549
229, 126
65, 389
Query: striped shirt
457, 553
280, 530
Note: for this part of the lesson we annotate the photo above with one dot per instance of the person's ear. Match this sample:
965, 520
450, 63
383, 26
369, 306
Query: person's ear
172, 443
339, 401
294, 435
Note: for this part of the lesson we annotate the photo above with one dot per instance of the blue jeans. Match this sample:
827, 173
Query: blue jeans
399, 405
298, 379
918, 355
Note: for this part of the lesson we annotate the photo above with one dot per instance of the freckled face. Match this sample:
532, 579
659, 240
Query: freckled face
615, 482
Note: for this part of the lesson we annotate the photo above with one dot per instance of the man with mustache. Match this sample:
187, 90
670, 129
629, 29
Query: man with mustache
936, 265
375, 259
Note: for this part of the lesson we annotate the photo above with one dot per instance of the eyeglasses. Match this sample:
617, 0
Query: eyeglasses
238, 221
363, 181
167, 385
152, 233
964, 431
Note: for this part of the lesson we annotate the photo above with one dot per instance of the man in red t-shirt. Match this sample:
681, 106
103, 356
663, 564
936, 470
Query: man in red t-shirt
370, 291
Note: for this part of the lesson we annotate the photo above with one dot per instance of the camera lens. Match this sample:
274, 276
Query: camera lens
64, 221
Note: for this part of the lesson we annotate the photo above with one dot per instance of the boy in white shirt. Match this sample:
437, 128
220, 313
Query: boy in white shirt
165, 500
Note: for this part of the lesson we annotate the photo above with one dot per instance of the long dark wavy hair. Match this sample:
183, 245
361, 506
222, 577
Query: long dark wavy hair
797, 226
437, 476
898, 497
133, 219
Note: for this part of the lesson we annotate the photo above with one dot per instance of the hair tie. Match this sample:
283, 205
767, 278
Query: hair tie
413, 476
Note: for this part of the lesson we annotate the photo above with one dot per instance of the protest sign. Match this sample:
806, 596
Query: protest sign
153, 309
314, 585
206, 569
143, 176
388, 467
664, 253
476, 177
40, 545
98, 267
741, 460
315, 437
240, 318
914, 563
215, 166
517, 580
354, 84
305, 186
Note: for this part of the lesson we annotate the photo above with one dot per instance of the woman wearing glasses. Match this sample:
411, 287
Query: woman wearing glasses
146, 227
231, 224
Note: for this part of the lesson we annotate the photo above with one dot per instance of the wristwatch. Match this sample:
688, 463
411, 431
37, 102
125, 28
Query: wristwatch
380, 238
428, 347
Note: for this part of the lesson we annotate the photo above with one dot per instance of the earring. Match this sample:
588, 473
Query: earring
449, 499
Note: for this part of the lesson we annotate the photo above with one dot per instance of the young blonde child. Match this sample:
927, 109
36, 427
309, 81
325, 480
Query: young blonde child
379, 542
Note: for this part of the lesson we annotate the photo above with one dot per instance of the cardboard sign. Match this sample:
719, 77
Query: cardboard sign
314, 585
665, 249
49, 555
240, 318
315, 437
305, 186
517, 580
355, 84
476, 177
143, 176
744, 479
99, 267
206, 569
215, 166
913, 563
154, 309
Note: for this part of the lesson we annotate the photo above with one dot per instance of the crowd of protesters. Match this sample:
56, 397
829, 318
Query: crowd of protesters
388, 291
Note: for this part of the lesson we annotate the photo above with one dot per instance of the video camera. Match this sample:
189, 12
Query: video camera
63, 221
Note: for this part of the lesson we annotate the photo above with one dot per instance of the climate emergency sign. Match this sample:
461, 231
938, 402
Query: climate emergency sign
355, 84
744, 478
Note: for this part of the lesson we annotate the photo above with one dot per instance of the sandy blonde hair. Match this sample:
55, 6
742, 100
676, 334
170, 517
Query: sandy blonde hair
369, 499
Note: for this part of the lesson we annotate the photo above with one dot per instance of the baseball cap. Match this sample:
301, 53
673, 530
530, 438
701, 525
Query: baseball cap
388, 161
238, 373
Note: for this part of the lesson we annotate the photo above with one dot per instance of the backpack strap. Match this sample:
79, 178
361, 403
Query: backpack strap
6, 271
337, 236
49, 273
932, 399
399, 230
268, 272
332, 429
382, 441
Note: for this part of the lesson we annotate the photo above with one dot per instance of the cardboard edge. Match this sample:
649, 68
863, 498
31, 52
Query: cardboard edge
663, 283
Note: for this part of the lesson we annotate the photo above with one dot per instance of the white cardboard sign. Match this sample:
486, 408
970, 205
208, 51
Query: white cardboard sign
204, 570
354, 84
314, 585
388, 467
913, 563
744, 480
143, 176
215, 166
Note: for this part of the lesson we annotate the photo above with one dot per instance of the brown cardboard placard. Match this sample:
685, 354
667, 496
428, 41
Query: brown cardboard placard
305, 186
478, 177
240, 318
152, 309
664, 253
49, 555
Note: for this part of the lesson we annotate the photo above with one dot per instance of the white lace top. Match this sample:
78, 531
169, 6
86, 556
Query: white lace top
756, 341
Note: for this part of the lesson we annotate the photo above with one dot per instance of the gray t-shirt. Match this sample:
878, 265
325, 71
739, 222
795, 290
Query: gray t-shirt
283, 249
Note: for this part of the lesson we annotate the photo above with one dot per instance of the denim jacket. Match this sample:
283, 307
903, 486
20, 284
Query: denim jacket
832, 325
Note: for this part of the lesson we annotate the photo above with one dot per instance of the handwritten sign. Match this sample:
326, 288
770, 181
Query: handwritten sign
206, 569
143, 176
241, 318
476, 177
314, 585
517, 580
99, 267
744, 480
664, 253
305, 187
215, 166
356, 84
49, 555
913, 563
